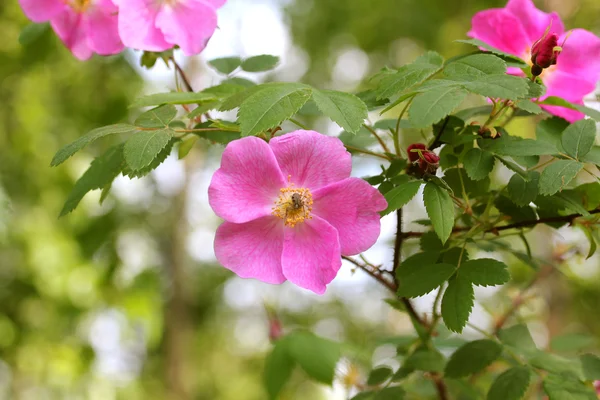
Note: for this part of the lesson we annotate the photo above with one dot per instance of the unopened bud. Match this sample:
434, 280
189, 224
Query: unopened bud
275, 329
413, 151
545, 51
429, 162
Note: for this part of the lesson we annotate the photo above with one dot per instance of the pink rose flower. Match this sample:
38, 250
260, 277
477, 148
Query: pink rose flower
291, 209
158, 25
84, 26
515, 28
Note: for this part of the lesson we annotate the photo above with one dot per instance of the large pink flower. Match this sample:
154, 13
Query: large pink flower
291, 209
158, 25
515, 28
84, 26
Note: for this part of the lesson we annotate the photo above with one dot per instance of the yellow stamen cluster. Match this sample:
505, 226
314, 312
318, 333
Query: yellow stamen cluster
293, 205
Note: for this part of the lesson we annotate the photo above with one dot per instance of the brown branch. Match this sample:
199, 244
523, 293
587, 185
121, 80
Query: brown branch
436, 141
379, 139
184, 78
373, 272
440, 386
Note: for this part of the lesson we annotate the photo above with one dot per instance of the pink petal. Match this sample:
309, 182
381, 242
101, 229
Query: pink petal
101, 25
352, 207
137, 26
188, 24
252, 249
580, 55
566, 113
311, 254
311, 159
500, 29
214, 3
68, 25
534, 21
42, 10
248, 182
571, 87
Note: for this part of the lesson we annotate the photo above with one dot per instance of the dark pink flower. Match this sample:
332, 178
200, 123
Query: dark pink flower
291, 209
158, 25
517, 27
84, 26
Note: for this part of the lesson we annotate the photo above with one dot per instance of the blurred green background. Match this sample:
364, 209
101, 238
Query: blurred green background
124, 300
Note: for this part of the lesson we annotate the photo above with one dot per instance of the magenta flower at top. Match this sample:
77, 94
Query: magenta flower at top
158, 25
291, 209
517, 27
84, 26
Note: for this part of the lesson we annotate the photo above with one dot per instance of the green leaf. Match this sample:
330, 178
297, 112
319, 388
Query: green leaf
472, 357
557, 175
591, 366
102, 171
159, 159
440, 209
513, 60
347, 110
379, 375
63, 154
409, 75
510, 385
390, 393
268, 107
399, 196
515, 146
173, 98
425, 359
550, 130
260, 63
529, 106
457, 303
556, 364
578, 138
226, 65
317, 356
572, 342
557, 387
474, 66
186, 146
535, 89
590, 237
485, 272
278, 369
32, 32
519, 338
415, 281
523, 192
158, 117
433, 105
478, 163
557, 101
143, 147
364, 396
499, 86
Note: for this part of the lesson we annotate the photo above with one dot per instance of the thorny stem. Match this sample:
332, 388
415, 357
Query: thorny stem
379, 139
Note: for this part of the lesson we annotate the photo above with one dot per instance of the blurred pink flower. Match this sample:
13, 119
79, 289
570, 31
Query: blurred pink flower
158, 25
291, 209
84, 26
515, 28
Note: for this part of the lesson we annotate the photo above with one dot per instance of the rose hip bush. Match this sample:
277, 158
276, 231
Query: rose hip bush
292, 212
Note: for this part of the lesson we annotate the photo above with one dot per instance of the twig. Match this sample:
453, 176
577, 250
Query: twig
375, 273
371, 153
436, 141
184, 78
379, 139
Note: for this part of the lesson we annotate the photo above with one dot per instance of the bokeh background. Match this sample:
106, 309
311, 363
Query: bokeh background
125, 300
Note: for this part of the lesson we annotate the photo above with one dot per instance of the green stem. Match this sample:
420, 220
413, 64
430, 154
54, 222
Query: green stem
397, 132
297, 123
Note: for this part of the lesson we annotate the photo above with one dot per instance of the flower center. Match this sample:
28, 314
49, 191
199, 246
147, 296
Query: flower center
79, 5
293, 205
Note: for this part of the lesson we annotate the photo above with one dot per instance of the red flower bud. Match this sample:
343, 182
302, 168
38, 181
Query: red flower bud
429, 163
544, 52
414, 155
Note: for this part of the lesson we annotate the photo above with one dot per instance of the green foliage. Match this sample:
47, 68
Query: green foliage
457, 303
32, 32
143, 147
379, 375
474, 67
260, 63
173, 98
424, 359
557, 175
400, 195
158, 117
510, 385
478, 163
557, 387
345, 109
578, 138
591, 366
521, 191
557, 101
434, 104
514, 61
417, 280
472, 358
279, 366
485, 272
440, 209
226, 65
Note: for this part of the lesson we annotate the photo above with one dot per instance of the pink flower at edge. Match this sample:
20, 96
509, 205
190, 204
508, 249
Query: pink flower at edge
515, 28
158, 25
291, 209
84, 26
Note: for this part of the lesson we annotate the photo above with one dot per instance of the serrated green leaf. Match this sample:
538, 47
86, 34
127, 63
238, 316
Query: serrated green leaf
158, 99
515, 146
572, 342
579, 137
32, 32
591, 366
186, 146
469, 113
478, 163
158, 117
143, 147
557, 101
268, 107
535, 89
485, 272
225, 65
474, 66
557, 364
455, 178
260, 63
529, 106
499, 86
421, 279
317, 356
557, 387
430, 242
510, 385
523, 192
408, 76
425, 359
550, 130
63, 154
413, 262
347, 110
379, 375
203, 108
440, 209
390, 393
400, 195
519, 338
457, 303
159, 159
431, 106
557, 175
278, 369
513, 60
472, 357
102, 171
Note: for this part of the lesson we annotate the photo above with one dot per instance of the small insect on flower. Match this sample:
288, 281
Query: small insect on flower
297, 201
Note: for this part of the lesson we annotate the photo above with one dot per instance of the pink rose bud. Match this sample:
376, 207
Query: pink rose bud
430, 162
544, 52
414, 155
275, 329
